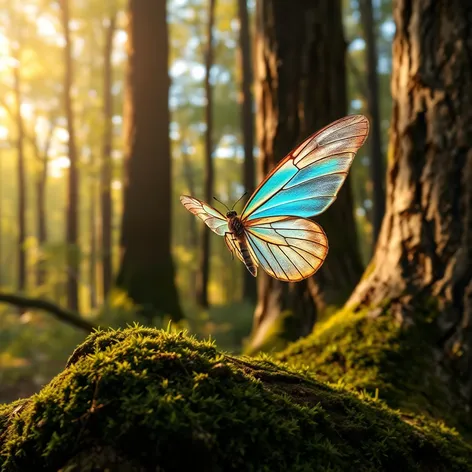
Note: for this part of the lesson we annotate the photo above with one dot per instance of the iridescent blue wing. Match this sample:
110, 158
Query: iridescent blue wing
307, 180
288, 249
209, 215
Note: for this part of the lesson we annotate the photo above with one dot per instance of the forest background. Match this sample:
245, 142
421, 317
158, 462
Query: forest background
65, 161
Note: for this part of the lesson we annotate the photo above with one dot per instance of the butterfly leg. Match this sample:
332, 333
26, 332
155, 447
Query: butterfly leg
230, 235
235, 242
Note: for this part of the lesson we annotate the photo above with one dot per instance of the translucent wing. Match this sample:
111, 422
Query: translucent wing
288, 249
212, 217
307, 180
233, 246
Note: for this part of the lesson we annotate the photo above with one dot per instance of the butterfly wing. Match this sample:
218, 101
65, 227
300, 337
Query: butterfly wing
288, 249
307, 180
209, 215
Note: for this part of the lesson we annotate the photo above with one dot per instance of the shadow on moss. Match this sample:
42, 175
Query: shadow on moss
143, 399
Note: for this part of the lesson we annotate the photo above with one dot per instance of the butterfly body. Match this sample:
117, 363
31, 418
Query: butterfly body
235, 224
237, 235
274, 230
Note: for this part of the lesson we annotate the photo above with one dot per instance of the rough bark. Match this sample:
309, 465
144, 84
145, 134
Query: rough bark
424, 251
21, 176
146, 269
377, 170
247, 123
72, 215
204, 274
300, 87
106, 170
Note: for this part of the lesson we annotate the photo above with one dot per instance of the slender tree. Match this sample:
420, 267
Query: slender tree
189, 176
146, 269
93, 244
72, 209
204, 275
21, 171
42, 158
376, 155
106, 173
93, 191
1, 220
247, 123
301, 86
192, 235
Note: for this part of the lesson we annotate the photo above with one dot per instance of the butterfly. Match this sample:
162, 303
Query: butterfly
273, 231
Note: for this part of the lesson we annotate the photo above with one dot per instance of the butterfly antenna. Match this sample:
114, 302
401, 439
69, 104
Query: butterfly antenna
222, 203
239, 199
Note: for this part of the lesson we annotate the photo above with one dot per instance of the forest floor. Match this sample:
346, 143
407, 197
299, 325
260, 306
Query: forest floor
140, 396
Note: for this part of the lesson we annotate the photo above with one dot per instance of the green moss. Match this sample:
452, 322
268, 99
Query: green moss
371, 351
150, 400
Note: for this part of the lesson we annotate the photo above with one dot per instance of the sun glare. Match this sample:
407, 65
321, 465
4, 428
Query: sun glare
61, 135
57, 166
3, 133
116, 185
121, 37
46, 27
27, 110
4, 46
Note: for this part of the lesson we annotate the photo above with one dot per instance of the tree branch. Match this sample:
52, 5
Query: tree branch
62, 314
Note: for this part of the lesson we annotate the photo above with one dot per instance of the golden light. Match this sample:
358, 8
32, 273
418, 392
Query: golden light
27, 110
116, 185
57, 166
3, 133
61, 134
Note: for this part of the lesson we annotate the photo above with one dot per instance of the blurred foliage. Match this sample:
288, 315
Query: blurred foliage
33, 346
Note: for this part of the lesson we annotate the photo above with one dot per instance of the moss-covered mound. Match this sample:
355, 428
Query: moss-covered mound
143, 399
374, 351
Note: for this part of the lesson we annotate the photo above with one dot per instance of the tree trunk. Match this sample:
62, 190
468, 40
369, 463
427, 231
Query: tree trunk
146, 269
376, 155
189, 178
41, 220
204, 275
41, 224
421, 271
72, 214
1, 221
247, 124
301, 88
21, 182
106, 174
93, 235
192, 238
